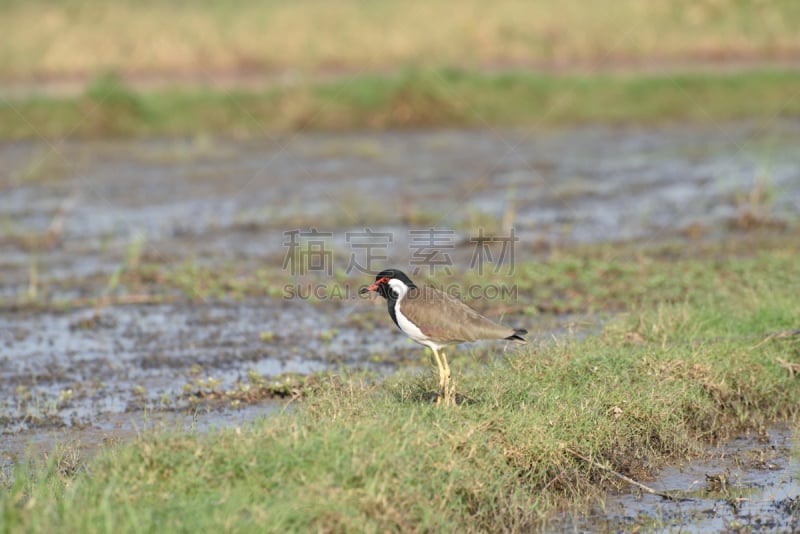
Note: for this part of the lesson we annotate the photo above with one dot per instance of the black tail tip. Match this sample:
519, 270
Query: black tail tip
517, 335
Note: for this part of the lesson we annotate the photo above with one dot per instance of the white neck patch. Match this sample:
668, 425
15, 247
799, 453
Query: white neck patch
409, 328
399, 287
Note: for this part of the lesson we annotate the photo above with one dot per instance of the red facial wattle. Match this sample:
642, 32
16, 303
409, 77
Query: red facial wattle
377, 283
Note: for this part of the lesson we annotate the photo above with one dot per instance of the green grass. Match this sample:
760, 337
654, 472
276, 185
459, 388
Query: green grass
665, 376
417, 98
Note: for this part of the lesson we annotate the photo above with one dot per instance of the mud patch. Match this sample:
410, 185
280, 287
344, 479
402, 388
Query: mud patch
64, 369
74, 215
750, 484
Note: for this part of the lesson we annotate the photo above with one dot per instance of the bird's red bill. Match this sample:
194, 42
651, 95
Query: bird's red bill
377, 283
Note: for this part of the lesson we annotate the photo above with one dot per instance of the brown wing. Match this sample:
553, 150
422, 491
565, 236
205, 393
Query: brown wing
446, 319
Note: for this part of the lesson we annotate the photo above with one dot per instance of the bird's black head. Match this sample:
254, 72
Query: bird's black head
381, 285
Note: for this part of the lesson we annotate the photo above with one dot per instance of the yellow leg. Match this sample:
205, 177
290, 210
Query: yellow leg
448, 393
441, 395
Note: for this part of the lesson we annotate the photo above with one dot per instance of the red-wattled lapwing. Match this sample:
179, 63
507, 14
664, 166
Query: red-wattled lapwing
435, 319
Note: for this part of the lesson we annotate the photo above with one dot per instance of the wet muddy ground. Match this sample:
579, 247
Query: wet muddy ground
208, 200
749, 484
84, 357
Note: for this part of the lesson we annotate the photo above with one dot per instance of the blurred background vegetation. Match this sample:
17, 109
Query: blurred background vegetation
150, 67
207, 36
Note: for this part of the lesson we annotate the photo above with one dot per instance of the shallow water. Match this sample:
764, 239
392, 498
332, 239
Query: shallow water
74, 366
749, 484
207, 199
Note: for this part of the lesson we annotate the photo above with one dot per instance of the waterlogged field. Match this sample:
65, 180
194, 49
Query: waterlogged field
151, 297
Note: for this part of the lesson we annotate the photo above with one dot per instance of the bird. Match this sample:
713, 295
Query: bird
436, 320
